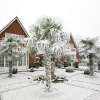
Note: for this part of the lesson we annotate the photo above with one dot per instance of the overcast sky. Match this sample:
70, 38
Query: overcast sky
79, 17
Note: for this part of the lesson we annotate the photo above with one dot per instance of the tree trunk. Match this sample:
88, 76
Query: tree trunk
52, 69
48, 71
10, 68
91, 64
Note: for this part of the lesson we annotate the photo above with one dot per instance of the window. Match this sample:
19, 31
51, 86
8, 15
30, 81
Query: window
24, 60
73, 57
7, 35
1, 61
16, 36
7, 63
15, 63
20, 62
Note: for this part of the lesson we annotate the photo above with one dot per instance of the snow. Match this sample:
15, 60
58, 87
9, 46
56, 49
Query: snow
35, 92
78, 86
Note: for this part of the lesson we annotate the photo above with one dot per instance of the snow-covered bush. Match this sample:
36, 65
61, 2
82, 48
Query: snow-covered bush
69, 69
15, 70
87, 71
59, 79
56, 79
31, 69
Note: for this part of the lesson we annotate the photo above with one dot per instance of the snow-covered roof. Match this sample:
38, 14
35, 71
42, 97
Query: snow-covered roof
7, 25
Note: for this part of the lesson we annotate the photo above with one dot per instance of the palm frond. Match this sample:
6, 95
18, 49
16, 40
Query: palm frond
90, 45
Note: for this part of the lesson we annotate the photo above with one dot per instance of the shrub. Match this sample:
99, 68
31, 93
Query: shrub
59, 79
87, 71
31, 69
15, 70
69, 69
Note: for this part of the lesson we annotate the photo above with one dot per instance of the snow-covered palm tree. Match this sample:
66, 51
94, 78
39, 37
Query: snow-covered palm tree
90, 48
11, 48
46, 34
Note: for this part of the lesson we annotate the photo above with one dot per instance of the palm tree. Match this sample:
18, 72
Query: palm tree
45, 29
90, 48
12, 49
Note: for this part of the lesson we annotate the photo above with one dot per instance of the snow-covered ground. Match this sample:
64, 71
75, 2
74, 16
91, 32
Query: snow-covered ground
78, 86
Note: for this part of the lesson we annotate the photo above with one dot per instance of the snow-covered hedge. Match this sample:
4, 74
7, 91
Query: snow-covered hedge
69, 69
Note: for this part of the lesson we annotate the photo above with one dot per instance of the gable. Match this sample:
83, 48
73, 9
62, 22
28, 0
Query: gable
14, 27
72, 41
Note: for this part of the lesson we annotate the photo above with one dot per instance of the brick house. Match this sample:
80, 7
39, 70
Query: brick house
15, 28
74, 54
